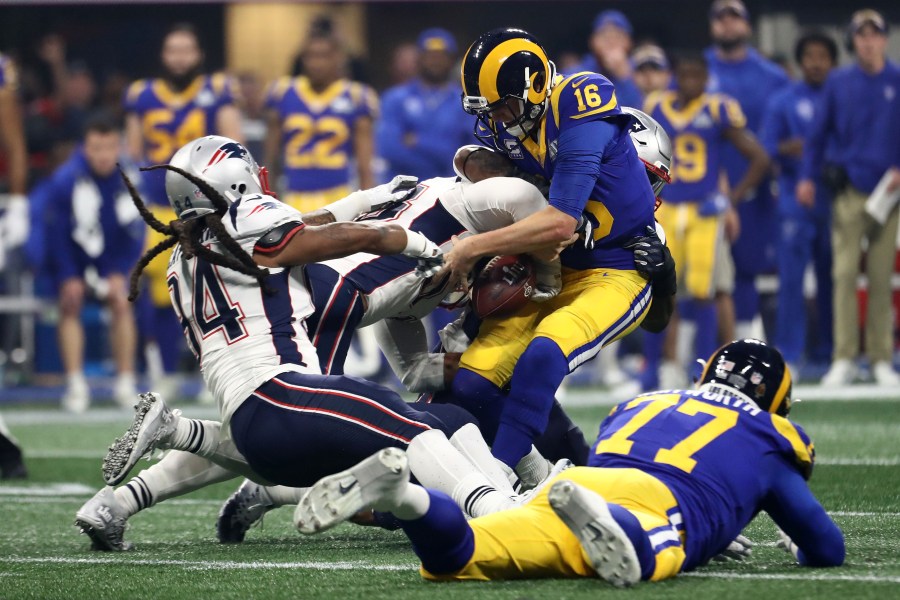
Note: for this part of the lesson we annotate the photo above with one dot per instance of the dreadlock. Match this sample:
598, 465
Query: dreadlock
188, 235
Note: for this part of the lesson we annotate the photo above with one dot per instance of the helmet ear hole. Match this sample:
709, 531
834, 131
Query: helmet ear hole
242, 188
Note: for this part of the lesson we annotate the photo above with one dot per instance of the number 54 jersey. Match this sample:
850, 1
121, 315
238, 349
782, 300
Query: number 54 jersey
242, 334
720, 456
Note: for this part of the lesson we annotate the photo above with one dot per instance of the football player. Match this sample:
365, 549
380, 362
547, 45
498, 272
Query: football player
161, 115
240, 292
662, 494
320, 125
572, 131
695, 212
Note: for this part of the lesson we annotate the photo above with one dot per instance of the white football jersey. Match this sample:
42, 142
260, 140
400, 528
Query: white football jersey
241, 335
443, 207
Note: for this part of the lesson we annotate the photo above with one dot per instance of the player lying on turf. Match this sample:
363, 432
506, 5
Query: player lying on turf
673, 478
236, 286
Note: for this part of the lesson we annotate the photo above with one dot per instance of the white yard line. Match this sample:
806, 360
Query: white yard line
214, 564
806, 576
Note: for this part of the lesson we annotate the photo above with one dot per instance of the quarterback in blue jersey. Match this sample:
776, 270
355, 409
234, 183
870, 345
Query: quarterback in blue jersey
661, 495
163, 114
737, 69
804, 232
421, 125
320, 124
571, 131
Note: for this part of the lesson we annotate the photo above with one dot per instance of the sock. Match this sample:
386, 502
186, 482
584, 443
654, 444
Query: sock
76, 380
441, 538
481, 398
283, 496
436, 464
413, 503
535, 379
562, 438
639, 539
195, 436
470, 444
653, 349
178, 473
707, 330
533, 468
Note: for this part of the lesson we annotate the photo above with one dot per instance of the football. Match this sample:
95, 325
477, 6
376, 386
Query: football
504, 285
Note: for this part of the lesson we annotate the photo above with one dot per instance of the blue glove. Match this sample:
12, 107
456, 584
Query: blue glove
714, 205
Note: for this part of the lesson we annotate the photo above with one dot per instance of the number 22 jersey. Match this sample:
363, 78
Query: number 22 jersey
242, 335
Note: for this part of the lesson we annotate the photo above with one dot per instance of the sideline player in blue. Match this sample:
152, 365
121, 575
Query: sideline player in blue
420, 126
804, 232
739, 70
571, 131
673, 478
320, 124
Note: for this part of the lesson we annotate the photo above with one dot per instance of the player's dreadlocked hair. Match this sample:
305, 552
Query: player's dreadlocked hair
188, 233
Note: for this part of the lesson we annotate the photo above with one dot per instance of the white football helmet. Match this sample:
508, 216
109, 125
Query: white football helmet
224, 164
653, 146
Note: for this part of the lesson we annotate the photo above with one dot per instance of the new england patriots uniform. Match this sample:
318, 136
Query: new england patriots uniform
683, 472
261, 367
317, 137
691, 223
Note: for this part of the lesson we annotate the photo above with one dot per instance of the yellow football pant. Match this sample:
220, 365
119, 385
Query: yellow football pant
310, 201
595, 308
532, 542
692, 239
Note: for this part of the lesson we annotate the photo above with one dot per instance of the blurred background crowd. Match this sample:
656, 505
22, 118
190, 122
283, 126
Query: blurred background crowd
784, 120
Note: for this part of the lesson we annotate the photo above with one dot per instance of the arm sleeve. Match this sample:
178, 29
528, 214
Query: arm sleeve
772, 130
404, 344
578, 164
814, 149
796, 511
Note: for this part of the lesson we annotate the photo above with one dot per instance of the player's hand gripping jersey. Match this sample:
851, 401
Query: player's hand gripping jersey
242, 335
564, 149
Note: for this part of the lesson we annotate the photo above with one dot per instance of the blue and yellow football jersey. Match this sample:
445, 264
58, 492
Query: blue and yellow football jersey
697, 141
317, 129
621, 201
719, 456
8, 80
171, 119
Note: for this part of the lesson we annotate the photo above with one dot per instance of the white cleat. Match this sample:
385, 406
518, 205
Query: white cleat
104, 521
885, 375
332, 500
842, 372
242, 511
77, 397
153, 423
124, 391
608, 548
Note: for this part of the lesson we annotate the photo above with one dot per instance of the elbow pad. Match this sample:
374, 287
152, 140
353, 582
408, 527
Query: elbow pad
277, 238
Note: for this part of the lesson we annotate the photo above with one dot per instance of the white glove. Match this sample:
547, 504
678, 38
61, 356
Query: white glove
787, 544
15, 222
740, 549
430, 255
548, 280
360, 202
453, 336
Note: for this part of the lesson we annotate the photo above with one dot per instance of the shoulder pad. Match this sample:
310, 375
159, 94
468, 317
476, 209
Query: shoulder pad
584, 95
275, 239
801, 449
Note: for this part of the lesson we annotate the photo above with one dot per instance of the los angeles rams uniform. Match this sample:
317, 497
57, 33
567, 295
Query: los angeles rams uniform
620, 205
692, 467
688, 215
317, 136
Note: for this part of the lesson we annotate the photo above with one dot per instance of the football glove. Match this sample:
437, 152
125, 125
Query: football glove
740, 549
653, 260
787, 544
548, 281
585, 231
360, 202
430, 255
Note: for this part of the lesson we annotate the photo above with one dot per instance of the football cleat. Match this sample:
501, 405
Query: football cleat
529, 495
153, 423
587, 515
104, 521
241, 511
376, 480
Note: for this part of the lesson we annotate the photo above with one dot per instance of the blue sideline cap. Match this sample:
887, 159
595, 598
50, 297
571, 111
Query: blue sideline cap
437, 39
615, 18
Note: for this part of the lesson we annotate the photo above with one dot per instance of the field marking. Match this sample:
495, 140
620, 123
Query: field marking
796, 577
353, 565
52, 490
215, 565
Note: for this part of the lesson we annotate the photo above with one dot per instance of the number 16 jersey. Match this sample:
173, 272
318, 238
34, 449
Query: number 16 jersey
241, 334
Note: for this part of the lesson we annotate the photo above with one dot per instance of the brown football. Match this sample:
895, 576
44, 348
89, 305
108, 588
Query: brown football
504, 285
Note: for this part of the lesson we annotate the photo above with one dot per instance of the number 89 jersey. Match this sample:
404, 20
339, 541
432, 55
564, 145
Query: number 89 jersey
242, 335
719, 456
